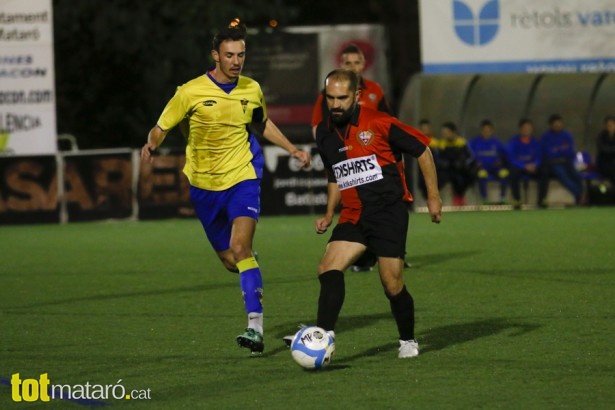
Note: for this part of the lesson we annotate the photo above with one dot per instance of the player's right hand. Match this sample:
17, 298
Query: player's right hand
303, 157
322, 224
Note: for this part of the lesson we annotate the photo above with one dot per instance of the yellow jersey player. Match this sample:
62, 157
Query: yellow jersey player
224, 162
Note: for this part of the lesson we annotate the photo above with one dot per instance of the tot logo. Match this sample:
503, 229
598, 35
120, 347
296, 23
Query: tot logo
30, 389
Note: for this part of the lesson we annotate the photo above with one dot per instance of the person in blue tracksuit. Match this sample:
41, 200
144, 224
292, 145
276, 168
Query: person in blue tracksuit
524, 158
490, 153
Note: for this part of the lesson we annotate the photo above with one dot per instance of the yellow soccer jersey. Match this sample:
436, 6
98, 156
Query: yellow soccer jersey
218, 152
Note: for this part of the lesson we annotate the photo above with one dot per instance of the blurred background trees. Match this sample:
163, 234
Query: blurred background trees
118, 61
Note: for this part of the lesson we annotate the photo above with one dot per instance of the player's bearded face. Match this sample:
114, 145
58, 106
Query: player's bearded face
341, 116
341, 101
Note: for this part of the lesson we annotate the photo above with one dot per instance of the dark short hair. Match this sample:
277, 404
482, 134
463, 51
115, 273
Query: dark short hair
352, 49
342, 74
450, 125
485, 123
554, 117
524, 121
609, 118
424, 121
234, 31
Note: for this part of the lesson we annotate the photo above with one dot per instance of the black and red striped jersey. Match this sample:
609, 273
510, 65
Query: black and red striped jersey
364, 158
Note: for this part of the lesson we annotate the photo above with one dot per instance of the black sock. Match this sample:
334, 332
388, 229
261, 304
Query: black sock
332, 292
402, 306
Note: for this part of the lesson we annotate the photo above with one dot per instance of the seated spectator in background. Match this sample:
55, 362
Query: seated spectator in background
490, 155
558, 155
524, 156
605, 152
427, 129
455, 163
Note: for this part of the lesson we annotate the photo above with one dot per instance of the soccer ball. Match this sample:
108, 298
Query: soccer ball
312, 347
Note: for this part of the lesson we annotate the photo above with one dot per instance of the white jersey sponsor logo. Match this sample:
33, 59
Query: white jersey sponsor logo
357, 171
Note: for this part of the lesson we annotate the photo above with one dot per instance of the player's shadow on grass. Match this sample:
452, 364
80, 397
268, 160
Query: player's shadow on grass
126, 294
418, 261
443, 337
432, 340
374, 351
345, 322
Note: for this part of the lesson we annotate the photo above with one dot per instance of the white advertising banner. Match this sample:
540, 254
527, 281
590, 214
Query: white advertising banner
473, 36
27, 87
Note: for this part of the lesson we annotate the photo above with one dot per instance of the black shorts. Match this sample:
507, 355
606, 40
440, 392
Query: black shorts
383, 229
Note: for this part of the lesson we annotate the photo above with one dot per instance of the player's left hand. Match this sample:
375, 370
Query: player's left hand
303, 157
147, 151
434, 205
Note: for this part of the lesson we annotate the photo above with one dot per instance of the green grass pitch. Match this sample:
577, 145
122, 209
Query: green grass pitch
514, 310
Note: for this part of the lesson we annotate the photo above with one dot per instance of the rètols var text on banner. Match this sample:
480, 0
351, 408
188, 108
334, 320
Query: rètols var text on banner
474, 36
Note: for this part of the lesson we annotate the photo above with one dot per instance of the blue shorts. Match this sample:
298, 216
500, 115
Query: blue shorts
217, 209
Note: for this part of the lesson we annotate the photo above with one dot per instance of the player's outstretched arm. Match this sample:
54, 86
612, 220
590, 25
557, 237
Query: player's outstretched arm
428, 169
274, 135
154, 139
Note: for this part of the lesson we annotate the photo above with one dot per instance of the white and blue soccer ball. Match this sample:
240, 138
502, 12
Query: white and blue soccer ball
312, 347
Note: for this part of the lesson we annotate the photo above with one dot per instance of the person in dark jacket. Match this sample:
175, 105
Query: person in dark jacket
605, 152
558, 155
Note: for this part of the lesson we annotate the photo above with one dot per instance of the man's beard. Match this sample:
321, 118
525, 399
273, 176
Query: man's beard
344, 117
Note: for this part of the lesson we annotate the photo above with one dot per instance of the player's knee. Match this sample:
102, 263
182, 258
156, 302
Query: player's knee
322, 267
229, 263
393, 288
392, 283
327, 263
240, 251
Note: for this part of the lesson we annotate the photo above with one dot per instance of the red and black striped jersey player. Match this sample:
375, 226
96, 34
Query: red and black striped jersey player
361, 150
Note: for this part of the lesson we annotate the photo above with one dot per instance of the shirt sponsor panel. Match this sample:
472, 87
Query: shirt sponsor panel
357, 171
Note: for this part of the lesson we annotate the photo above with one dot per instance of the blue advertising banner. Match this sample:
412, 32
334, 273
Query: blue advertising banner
489, 36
